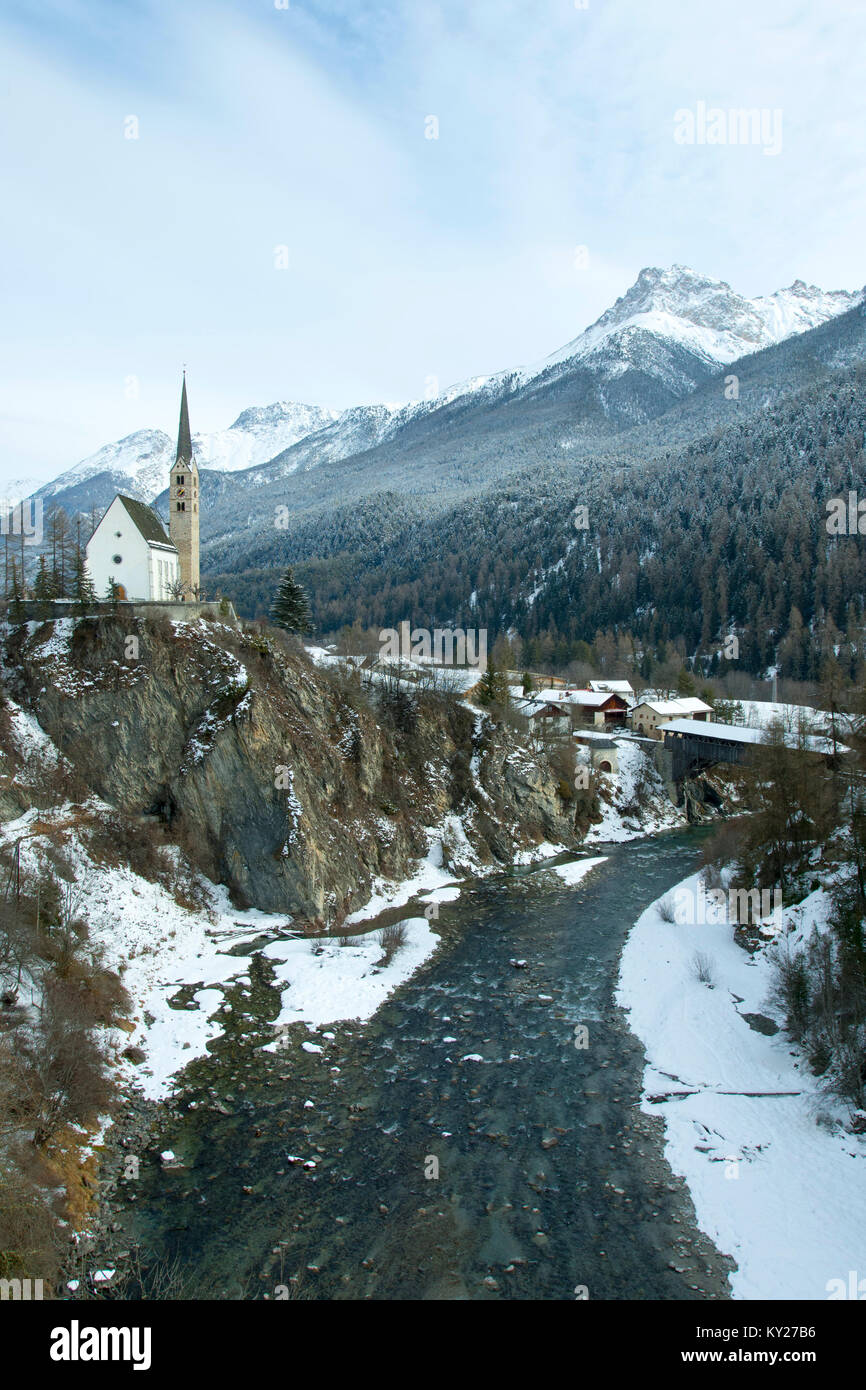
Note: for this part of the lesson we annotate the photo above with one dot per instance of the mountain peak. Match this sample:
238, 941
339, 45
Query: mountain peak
703, 315
294, 414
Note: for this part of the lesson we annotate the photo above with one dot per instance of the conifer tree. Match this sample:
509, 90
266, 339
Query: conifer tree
44, 588
60, 535
83, 588
43, 585
16, 597
290, 608
493, 689
685, 683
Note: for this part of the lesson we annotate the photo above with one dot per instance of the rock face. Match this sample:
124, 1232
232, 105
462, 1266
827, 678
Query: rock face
288, 784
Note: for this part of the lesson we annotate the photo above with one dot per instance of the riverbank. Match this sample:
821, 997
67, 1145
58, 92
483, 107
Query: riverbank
777, 1179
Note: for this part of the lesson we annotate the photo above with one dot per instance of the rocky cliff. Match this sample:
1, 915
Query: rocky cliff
290, 784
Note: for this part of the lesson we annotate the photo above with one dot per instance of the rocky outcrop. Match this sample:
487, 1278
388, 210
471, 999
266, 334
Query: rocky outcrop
291, 785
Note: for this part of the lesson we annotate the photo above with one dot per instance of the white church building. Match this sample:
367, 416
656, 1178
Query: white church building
130, 546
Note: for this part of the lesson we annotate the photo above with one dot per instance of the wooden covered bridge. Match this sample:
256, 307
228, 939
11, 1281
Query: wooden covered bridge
695, 745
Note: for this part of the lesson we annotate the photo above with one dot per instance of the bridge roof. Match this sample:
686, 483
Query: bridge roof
700, 728
738, 733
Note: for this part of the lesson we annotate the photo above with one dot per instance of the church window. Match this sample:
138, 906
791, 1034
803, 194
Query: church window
181, 506
180, 479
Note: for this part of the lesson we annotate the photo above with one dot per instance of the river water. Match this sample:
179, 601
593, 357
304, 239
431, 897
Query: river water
459, 1145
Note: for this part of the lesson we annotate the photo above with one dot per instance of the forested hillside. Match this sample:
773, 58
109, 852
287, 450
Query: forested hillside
730, 530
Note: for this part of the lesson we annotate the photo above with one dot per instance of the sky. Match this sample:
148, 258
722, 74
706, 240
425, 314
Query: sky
348, 201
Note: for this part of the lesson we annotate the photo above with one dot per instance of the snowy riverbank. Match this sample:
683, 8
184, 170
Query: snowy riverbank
777, 1181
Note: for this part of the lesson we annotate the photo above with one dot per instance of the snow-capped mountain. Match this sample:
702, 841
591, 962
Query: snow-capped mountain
259, 433
673, 325
133, 465
704, 316
140, 463
670, 331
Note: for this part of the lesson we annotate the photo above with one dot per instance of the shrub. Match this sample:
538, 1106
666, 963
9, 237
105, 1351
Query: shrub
392, 939
29, 1244
665, 909
790, 991
702, 968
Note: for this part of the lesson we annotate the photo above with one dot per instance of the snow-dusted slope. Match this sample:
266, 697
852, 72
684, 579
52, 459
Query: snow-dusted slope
134, 463
140, 463
259, 433
665, 315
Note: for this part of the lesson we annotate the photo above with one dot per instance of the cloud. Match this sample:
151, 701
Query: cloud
407, 257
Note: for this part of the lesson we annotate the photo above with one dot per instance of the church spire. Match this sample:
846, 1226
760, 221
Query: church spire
183, 499
184, 440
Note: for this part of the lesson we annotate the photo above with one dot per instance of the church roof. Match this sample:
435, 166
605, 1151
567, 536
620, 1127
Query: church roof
146, 521
184, 438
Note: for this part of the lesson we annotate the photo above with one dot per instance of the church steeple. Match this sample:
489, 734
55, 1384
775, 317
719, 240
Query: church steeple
183, 498
184, 439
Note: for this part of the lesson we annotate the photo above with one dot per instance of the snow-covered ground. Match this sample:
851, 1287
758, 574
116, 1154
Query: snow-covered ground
777, 1182
760, 714
158, 948
416, 673
635, 781
430, 880
343, 981
573, 873
538, 853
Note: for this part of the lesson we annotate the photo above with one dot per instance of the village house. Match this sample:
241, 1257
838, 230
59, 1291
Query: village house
546, 718
586, 706
617, 687
649, 717
598, 707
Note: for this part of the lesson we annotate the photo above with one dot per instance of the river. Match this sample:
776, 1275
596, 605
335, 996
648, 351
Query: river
461, 1144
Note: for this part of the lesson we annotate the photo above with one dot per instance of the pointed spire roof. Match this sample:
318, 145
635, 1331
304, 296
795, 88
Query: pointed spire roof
184, 439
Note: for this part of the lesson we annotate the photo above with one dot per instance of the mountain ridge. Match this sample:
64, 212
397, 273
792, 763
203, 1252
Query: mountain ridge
672, 328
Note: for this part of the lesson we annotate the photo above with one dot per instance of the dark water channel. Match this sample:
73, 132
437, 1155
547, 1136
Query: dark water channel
549, 1177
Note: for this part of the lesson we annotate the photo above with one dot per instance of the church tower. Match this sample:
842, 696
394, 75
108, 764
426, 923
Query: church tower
183, 506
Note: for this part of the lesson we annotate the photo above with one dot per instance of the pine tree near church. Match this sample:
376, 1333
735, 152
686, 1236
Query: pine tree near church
290, 607
44, 588
83, 588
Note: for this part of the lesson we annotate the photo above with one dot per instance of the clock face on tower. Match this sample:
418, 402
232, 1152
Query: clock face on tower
181, 492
